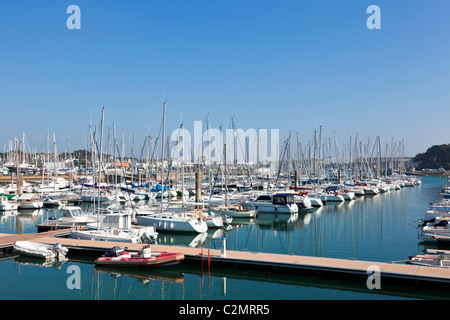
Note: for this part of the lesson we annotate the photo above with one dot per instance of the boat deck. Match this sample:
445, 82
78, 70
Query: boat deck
338, 268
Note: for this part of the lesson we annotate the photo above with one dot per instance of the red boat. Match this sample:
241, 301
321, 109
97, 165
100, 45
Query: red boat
143, 258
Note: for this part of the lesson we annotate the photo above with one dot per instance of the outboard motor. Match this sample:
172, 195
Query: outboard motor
116, 251
147, 238
58, 248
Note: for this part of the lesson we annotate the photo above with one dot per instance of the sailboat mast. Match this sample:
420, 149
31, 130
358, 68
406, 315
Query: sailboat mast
162, 155
100, 163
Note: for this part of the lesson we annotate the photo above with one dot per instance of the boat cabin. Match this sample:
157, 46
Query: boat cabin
28, 197
117, 220
71, 212
283, 198
278, 199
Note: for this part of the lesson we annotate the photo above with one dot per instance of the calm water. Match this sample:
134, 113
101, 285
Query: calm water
369, 228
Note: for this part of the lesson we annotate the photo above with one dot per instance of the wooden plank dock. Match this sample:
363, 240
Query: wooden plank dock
326, 267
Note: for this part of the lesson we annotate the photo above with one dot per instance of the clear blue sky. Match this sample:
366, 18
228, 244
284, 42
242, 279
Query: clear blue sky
288, 65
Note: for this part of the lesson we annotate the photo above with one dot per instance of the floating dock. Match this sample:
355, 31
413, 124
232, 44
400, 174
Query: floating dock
276, 263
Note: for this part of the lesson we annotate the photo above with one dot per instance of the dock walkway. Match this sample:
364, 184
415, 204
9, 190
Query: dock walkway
338, 268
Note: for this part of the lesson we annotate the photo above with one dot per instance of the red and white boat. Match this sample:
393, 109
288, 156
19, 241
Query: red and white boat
143, 258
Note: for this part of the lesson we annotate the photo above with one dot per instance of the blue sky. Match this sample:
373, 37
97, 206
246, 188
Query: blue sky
288, 65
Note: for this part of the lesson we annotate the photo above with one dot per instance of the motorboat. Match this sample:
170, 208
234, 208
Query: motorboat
40, 250
71, 216
142, 258
94, 196
371, 191
115, 226
430, 260
315, 201
303, 201
331, 197
52, 203
6, 204
275, 203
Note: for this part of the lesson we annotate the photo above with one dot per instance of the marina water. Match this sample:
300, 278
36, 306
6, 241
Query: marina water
371, 228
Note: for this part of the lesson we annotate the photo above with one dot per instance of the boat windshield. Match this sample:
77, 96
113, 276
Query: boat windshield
78, 212
283, 199
72, 213
264, 198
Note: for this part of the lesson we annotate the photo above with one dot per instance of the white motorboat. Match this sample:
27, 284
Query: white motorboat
371, 191
316, 201
71, 216
275, 203
430, 260
436, 231
172, 222
6, 204
93, 196
331, 197
115, 226
40, 250
302, 201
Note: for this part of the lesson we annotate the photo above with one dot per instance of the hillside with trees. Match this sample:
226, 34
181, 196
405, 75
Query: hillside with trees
437, 156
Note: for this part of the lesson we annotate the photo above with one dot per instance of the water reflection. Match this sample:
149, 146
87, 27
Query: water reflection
182, 239
145, 275
29, 261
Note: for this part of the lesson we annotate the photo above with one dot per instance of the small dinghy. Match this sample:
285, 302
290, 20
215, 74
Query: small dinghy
143, 258
40, 250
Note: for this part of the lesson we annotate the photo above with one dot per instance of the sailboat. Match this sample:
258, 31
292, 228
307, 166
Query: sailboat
165, 220
115, 225
233, 211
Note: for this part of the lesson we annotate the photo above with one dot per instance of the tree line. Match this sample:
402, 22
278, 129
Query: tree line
437, 156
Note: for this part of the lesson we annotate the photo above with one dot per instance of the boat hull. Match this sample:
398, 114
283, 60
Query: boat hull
270, 208
170, 224
161, 259
110, 235
235, 213
31, 205
38, 250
